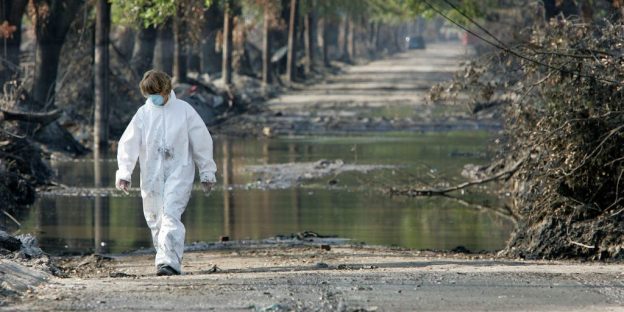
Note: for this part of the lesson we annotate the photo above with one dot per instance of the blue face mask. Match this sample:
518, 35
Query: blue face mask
157, 99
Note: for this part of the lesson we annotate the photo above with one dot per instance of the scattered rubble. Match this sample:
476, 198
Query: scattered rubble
281, 176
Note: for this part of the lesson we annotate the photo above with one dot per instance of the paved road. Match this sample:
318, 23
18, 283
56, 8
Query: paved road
343, 279
383, 95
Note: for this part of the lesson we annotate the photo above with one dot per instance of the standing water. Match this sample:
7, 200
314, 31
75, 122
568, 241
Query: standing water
246, 205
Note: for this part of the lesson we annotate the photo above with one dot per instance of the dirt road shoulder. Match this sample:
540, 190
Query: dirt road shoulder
344, 278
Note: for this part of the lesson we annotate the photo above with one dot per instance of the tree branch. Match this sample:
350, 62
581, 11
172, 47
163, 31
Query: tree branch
444, 191
40, 118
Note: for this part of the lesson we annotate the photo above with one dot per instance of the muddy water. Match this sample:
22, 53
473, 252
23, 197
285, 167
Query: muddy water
348, 205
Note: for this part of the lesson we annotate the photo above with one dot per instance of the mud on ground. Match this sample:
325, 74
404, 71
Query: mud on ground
333, 278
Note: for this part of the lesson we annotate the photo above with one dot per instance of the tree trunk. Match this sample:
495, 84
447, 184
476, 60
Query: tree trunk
163, 53
266, 46
552, 8
226, 71
398, 42
12, 12
180, 47
46, 69
325, 39
618, 7
193, 60
343, 40
570, 8
291, 62
102, 41
310, 36
371, 33
307, 43
143, 52
52, 21
351, 40
378, 41
210, 58
52, 24
375, 38
587, 11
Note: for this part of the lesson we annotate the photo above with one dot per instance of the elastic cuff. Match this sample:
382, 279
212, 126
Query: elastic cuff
207, 177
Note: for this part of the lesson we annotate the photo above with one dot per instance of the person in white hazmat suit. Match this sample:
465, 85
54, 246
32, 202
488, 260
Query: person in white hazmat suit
166, 135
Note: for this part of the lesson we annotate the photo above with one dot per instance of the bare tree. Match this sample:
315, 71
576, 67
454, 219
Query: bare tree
226, 71
180, 48
209, 57
143, 52
102, 42
343, 39
351, 39
310, 36
52, 19
163, 51
552, 8
266, 45
291, 66
325, 41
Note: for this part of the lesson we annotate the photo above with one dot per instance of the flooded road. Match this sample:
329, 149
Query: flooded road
246, 205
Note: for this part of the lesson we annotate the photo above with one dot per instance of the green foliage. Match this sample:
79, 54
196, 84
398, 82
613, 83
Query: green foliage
142, 13
397, 11
458, 11
254, 9
146, 13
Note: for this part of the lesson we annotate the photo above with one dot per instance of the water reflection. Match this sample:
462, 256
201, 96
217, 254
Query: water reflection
100, 206
228, 195
69, 224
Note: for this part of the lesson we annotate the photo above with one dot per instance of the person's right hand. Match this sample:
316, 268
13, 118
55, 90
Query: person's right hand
123, 185
207, 186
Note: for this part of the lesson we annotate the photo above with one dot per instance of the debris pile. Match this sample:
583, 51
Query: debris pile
562, 103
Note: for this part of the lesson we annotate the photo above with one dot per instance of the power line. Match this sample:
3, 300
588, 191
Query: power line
504, 47
474, 22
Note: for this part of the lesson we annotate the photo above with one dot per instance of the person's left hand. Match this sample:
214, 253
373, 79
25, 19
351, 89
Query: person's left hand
207, 186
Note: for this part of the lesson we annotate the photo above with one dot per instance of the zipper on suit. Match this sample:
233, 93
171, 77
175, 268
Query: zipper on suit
164, 144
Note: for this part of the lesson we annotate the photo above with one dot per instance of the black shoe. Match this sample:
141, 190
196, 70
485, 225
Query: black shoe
165, 270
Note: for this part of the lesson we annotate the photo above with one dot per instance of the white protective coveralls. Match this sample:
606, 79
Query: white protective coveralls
166, 140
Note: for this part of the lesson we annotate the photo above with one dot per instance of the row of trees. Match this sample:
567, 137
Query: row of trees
179, 36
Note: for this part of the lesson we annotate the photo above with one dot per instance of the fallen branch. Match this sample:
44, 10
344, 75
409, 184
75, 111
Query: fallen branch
581, 245
498, 211
444, 191
481, 106
12, 218
40, 118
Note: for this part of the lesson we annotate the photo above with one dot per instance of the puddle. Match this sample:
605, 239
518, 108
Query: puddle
339, 198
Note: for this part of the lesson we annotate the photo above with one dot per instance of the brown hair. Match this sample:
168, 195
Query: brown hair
155, 82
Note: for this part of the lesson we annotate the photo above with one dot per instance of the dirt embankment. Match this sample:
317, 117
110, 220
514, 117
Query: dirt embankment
21, 170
